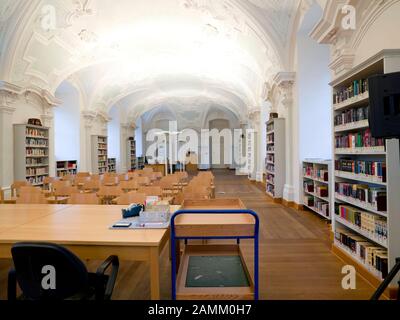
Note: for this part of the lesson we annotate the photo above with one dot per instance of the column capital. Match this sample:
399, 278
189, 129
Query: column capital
254, 113
284, 82
88, 118
8, 96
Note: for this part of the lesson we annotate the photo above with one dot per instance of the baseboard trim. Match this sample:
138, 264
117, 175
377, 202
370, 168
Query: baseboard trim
293, 205
390, 293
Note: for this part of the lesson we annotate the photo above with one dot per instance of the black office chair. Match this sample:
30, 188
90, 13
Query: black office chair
32, 262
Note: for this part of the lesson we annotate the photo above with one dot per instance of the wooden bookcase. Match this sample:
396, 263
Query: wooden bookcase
31, 153
99, 154
275, 161
131, 153
64, 168
140, 163
317, 189
112, 165
369, 169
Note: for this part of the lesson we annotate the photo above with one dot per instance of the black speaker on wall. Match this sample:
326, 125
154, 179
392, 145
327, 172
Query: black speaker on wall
384, 98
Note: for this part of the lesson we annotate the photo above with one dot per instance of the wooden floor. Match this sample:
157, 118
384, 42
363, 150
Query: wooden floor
295, 258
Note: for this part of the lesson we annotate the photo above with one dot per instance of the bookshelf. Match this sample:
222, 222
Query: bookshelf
99, 154
31, 153
132, 161
64, 168
112, 165
366, 176
275, 161
140, 163
317, 191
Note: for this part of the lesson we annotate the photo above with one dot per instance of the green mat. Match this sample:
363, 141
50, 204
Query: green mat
216, 272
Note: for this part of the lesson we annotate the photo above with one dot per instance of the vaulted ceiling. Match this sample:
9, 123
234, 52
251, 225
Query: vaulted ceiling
142, 54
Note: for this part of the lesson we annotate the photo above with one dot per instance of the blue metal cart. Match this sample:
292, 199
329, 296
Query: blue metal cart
186, 237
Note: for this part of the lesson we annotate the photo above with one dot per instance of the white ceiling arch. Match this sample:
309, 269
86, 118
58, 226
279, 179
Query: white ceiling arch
114, 50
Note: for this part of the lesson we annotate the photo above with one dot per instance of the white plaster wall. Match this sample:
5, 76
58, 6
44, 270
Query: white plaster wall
114, 135
382, 34
67, 124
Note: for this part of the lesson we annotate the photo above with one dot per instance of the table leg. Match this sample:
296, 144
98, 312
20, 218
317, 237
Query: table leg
154, 273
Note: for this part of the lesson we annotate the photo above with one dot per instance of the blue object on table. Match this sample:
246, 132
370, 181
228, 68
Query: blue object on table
175, 238
133, 211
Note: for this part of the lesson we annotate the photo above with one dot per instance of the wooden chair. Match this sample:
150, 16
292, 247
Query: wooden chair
91, 186
83, 175
68, 177
148, 170
151, 191
110, 180
195, 196
128, 186
131, 197
31, 198
16, 186
133, 175
47, 182
107, 194
110, 175
143, 181
95, 177
123, 177
60, 184
84, 198
29, 190
80, 181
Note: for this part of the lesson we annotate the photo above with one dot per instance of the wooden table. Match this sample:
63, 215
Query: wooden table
84, 229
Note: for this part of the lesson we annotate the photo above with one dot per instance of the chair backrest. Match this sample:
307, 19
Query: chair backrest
68, 177
91, 185
110, 180
197, 189
110, 175
129, 185
132, 175
65, 191
123, 177
195, 196
31, 198
151, 191
81, 180
17, 185
34, 261
60, 184
132, 197
109, 191
143, 181
95, 177
83, 175
148, 170
29, 190
84, 198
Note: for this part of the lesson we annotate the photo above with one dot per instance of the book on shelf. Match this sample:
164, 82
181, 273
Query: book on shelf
373, 169
361, 139
356, 88
322, 207
372, 224
372, 196
315, 173
367, 253
351, 116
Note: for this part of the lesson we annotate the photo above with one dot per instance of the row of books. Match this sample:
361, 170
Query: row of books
356, 88
322, 191
271, 158
36, 133
36, 180
375, 169
36, 162
374, 196
316, 173
271, 189
36, 142
270, 148
270, 168
322, 207
270, 127
36, 152
362, 139
373, 224
36, 171
271, 138
352, 115
368, 253
270, 178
